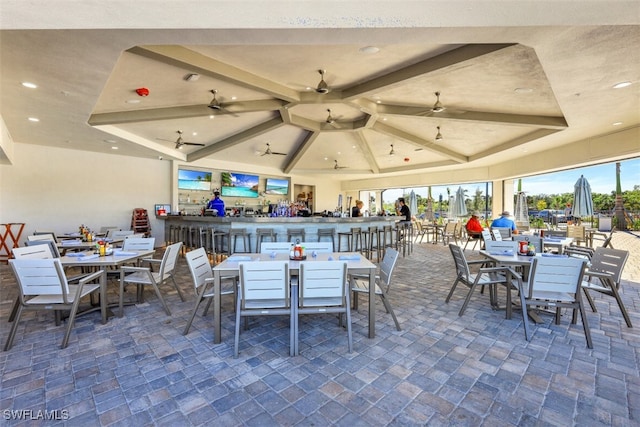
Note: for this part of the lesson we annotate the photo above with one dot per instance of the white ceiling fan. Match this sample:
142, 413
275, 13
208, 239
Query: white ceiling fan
180, 142
331, 120
216, 105
336, 166
268, 152
322, 87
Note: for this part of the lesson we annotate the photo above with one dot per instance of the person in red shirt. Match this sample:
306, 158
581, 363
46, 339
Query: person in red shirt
474, 228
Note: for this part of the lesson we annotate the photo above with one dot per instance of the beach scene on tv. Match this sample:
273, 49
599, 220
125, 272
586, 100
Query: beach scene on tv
239, 185
194, 180
277, 186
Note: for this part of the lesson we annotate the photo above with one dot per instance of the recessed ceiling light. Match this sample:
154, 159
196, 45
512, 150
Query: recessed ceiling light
29, 85
194, 133
33, 119
233, 98
523, 90
133, 101
369, 49
110, 141
617, 123
114, 148
211, 117
621, 85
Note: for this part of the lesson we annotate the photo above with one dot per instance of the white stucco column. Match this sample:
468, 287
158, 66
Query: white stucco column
502, 197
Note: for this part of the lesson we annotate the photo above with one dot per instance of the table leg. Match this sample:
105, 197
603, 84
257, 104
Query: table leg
103, 296
217, 309
372, 303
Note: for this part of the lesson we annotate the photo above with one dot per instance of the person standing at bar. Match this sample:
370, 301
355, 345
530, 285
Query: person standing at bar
357, 209
403, 210
216, 203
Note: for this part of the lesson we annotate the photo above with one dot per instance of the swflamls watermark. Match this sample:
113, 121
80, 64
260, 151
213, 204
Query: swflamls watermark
31, 414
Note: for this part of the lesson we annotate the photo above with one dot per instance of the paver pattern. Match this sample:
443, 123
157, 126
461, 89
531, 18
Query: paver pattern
440, 370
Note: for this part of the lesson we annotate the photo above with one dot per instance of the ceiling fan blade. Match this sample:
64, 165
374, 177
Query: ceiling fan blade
193, 143
278, 154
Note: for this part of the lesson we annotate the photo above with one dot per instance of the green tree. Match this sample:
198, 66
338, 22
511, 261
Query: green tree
541, 204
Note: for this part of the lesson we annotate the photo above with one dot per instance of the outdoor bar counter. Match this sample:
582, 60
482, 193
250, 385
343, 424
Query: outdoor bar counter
280, 225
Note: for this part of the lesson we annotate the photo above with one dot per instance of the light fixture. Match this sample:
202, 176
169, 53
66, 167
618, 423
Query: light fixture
192, 77
392, 152
114, 147
617, 123
29, 85
322, 86
33, 119
437, 107
621, 85
369, 49
439, 135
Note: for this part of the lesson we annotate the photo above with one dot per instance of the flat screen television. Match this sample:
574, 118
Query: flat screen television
238, 185
194, 180
277, 186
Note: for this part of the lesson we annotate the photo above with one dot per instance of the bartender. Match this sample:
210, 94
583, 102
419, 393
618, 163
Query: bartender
357, 209
216, 203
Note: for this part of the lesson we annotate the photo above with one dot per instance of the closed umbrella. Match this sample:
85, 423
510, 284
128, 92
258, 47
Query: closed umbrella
460, 208
413, 203
522, 211
450, 211
582, 201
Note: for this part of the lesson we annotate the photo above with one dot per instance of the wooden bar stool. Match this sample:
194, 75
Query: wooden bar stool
261, 233
295, 232
354, 239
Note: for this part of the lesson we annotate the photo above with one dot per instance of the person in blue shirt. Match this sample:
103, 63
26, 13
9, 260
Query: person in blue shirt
216, 203
505, 222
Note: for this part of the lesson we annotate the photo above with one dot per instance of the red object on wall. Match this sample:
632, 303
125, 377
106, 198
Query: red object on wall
406, 159
143, 91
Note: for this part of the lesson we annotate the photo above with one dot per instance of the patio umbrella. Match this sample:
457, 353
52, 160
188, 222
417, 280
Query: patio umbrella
522, 211
460, 208
413, 203
582, 201
428, 212
450, 212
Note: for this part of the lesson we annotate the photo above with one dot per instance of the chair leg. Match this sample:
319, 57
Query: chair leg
177, 288
585, 322
383, 297
467, 299
155, 287
14, 328
623, 310
348, 310
525, 315
206, 308
590, 300
193, 315
236, 344
70, 321
453, 288
14, 310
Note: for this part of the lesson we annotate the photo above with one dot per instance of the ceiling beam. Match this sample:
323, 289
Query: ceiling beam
437, 63
235, 139
302, 149
185, 111
548, 122
192, 61
420, 142
532, 136
363, 144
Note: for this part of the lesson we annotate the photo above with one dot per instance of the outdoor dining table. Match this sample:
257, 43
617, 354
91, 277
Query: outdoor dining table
356, 264
557, 243
94, 261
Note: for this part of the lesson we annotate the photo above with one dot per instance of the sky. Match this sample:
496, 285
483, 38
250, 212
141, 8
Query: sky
602, 179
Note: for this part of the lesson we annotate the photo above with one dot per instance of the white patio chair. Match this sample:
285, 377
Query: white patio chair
139, 244
143, 276
264, 290
318, 247
360, 284
323, 289
202, 275
501, 246
555, 282
43, 286
119, 234
486, 276
277, 247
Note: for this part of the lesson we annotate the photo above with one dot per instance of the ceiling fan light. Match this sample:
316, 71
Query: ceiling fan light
437, 107
439, 136
392, 152
322, 86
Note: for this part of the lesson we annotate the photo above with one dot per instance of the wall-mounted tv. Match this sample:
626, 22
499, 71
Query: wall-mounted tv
194, 180
238, 184
277, 186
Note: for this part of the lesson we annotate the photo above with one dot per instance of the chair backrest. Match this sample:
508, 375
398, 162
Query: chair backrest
610, 261
450, 227
322, 283
460, 261
134, 236
139, 244
170, 259
52, 246
264, 284
486, 234
318, 247
505, 232
555, 274
555, 233
576, 231
495, 233
199, 267
40, 277
277, 247
387, 266
119, 234
501, 245
41, 236
46, 233
536, 241
41, 251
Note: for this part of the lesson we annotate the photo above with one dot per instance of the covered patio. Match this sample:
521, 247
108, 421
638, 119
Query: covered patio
441, 369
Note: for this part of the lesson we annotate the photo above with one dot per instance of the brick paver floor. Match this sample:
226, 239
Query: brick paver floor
441, 369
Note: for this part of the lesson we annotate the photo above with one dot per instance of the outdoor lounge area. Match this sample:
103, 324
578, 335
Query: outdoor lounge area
440, 369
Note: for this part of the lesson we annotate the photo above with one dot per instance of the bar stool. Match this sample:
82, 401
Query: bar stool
195, 237
234, 233
175, 234
404, 237
328, 232
293, 232
218, 238
385, 238
261, 233
354, 239
370, 235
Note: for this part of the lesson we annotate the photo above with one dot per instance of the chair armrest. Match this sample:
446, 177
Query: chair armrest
88, 278
597, 274
131, 269
151, 260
